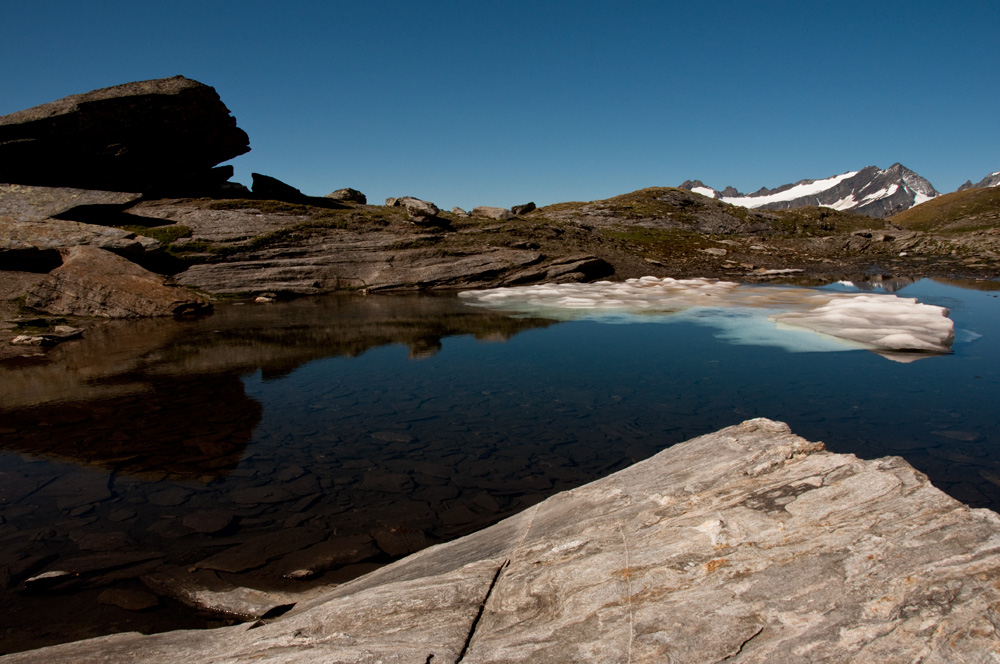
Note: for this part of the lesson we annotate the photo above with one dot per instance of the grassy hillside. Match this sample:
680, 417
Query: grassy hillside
663, 207
969, 210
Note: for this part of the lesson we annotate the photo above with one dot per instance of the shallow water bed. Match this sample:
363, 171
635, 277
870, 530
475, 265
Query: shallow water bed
291, 445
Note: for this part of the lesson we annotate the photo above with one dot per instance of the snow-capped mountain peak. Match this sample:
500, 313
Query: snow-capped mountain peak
872, 191
991, 180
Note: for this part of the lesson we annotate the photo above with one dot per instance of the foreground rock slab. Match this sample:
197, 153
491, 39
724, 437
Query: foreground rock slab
746, 545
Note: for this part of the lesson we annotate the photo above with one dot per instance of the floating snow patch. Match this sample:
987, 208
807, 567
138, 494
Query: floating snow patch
797, 319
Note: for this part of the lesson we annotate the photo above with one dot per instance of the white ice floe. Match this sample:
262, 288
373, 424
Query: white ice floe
798, 319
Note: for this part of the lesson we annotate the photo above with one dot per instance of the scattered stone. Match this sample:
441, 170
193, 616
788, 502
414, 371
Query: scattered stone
961, 436
122, 514
348, 195
492, 212
270, 493
170, 497
94, 282
518, 210
392, 436
325, 556
30, 340
159, 135
460, 212
128, 599
421, 212
715, 251
258, 551
290, 473
387, 482
209, 523
398, 540
104, 542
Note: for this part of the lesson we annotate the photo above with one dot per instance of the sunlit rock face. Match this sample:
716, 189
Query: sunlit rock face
898, 328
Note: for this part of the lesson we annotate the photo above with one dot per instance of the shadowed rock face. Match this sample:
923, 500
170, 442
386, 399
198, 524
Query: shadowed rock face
157, 135
750, 544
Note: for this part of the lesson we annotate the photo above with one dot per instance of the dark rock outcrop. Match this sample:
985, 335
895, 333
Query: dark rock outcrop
265, 186
518, 210
164, 135
95, 282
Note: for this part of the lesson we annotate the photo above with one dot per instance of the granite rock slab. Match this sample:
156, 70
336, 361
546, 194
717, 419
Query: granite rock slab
750, 544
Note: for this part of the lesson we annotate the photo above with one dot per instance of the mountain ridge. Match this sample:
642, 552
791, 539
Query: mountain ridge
871, 191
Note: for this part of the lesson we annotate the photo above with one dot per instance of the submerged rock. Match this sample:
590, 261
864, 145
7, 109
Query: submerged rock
750, 544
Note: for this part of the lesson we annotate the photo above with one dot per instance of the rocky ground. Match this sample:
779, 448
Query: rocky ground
250, 247
747, 545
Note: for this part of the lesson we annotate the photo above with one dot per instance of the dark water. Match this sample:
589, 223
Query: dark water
287, 446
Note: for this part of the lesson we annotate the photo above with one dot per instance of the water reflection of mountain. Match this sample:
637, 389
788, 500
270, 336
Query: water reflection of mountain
164, 398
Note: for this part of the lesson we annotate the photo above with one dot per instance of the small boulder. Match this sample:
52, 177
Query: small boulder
348, 195
492, 212
460, 212
518, 210
421, 212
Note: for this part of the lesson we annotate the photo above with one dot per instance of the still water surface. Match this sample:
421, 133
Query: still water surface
292, 445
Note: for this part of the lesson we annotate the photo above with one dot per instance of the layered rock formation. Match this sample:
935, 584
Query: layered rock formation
95, 282
161, 135
746, 545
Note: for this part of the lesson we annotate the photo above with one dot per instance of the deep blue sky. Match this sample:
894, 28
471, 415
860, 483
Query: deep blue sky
498, 103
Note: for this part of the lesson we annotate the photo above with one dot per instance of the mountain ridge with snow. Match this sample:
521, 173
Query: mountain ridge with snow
872, 191
991, 180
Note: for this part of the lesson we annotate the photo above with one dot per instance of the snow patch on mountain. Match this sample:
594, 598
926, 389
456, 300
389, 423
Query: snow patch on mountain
872, 191
799, 190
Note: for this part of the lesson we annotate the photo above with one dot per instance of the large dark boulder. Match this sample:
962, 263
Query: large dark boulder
160, 136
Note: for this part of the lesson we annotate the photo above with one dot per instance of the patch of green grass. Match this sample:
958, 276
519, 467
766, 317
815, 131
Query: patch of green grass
163, 234
961, 211
266, 206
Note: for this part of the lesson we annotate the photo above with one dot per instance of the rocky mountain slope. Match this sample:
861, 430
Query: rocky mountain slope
991, 180
871, 191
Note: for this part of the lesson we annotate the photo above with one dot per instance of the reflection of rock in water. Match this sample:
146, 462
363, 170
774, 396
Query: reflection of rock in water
127, 357
153, 417
178, 429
